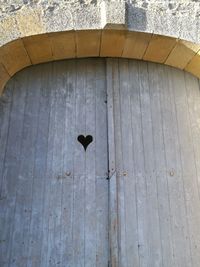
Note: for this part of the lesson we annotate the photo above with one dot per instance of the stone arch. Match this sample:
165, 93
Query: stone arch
36, 33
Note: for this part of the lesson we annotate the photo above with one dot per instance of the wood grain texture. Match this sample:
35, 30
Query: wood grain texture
54, 195
57, 207
156, 125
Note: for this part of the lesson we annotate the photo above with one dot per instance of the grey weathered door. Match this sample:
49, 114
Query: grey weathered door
57, 207
54, 194
154, 136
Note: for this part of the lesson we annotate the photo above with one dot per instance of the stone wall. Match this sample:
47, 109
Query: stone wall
19, 18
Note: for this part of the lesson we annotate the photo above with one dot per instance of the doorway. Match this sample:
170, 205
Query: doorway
100, 166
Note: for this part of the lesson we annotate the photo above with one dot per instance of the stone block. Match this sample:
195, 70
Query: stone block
4, 77
136, 18
162, 20
8, 30
58, 18
87, 18
136, 44
29, 22
38, 48
159, 48
88, 43
194, 65
14, 56
63, 45
182, 53
113, 15
112, 43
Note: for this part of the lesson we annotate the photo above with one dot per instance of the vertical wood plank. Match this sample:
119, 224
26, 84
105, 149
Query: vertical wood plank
193, 103
101, 163
188, 166
175, 185
119, 162
184, 148
23, 202
45, 258
5, 106
90, 167
155, 257
11, 168
36, 225
68, 182
113, 217
157, 83
138, 157
57, 175
79, 168
130, 213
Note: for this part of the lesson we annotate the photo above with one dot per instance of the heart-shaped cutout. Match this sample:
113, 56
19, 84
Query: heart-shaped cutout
85, 140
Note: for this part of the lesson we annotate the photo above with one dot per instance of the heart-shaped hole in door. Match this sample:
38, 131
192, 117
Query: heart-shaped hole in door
85, 140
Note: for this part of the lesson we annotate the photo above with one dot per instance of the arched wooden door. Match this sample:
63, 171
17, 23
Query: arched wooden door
54, 194
57, 205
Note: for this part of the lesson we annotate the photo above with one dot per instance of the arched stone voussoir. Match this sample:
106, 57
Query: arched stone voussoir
35, 49
37, 32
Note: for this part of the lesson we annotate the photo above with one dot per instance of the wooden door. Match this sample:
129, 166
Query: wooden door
57, 205
154, 147
54, 194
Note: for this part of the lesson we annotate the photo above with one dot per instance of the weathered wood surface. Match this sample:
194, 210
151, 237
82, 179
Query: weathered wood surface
157, 158
54, 195
55, 200
113, 210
